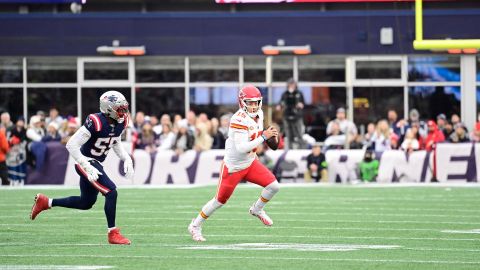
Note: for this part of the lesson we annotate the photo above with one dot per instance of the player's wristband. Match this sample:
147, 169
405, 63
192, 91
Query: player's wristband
264, 138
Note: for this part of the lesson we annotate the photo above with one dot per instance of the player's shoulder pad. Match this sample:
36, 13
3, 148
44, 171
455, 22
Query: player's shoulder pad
239, 121
93, 123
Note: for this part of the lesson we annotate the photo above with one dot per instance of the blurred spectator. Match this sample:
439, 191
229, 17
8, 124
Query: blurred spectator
336, 139
263, 158
281, 140
460, 134
4, 148
52, 134
165, 119
157, 127
370, 131
410, 142
176, 120
17, 156
346, 127
72, 126
414, 119
191, 121
475, 135
448, 129
357, 142
368, 167
202, 118
203, 140
381, 139
166, 138
5, 121
441, 123
455, 119
316, 164
218, 139
139, 121
185, 139
53, 116
416, 135
434, 136
394, 123
292, 103
147, 139
35, 132
36, 147
224, 124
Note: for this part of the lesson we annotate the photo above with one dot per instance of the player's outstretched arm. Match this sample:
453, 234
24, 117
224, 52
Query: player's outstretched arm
125, 157
81, 136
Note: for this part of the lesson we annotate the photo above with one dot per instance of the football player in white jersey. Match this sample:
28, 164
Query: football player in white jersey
241, 162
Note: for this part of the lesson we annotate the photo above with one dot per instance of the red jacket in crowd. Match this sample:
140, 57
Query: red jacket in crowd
434, 136
4, 147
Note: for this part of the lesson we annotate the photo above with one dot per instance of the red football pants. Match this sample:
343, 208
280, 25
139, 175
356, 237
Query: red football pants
257, 173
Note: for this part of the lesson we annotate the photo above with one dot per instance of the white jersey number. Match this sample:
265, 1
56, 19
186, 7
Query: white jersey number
103, 145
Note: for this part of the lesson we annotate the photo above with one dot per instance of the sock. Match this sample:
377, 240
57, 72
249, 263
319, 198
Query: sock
50, 203
207, 211
111, 229
110, 207
267, 194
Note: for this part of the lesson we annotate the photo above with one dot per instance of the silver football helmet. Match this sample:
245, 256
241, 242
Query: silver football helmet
114, 105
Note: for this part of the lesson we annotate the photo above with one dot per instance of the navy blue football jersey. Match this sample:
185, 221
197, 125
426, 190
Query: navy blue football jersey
103, 136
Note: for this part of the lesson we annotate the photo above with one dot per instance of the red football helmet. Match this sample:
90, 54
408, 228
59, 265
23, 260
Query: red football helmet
248, 94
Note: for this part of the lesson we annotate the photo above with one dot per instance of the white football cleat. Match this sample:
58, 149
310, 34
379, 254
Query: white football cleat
264, 218
196, 232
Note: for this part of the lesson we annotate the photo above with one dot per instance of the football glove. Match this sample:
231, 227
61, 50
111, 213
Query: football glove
91, 172
128, 168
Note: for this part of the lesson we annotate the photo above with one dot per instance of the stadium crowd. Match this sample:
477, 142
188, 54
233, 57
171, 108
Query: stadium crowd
22, 144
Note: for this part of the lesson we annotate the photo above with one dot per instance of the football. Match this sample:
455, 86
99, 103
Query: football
273, 143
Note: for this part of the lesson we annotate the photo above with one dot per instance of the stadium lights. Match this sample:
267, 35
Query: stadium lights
276, 50
118, 50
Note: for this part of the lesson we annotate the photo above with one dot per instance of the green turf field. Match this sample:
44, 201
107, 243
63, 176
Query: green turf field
314, 228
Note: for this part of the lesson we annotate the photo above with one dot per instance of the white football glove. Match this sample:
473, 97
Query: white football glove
92, 172
128, 168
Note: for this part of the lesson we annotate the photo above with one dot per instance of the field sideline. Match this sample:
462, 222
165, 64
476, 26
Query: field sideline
315, 227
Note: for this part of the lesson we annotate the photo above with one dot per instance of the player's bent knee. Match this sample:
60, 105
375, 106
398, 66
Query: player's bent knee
85, 205
112, 194
273, 187
222, 200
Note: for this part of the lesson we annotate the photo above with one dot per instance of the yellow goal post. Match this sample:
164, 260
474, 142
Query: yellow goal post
437, 44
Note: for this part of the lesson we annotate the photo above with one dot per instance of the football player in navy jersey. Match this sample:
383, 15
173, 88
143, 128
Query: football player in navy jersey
89, 147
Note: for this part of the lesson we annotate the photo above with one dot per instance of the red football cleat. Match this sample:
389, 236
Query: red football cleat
41, 203
116, 238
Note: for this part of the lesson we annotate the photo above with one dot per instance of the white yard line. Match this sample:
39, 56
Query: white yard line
281, 213
271, 204
254, 236
53, 267
256, 258
188, 219
179, 245
245, 226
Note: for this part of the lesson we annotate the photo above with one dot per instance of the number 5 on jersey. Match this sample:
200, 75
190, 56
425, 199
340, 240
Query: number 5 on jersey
103, 145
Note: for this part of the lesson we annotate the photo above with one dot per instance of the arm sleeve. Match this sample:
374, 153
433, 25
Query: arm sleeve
118, 148
81, 136
242, 142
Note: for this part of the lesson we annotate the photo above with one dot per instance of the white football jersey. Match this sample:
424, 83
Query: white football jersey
240, 125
